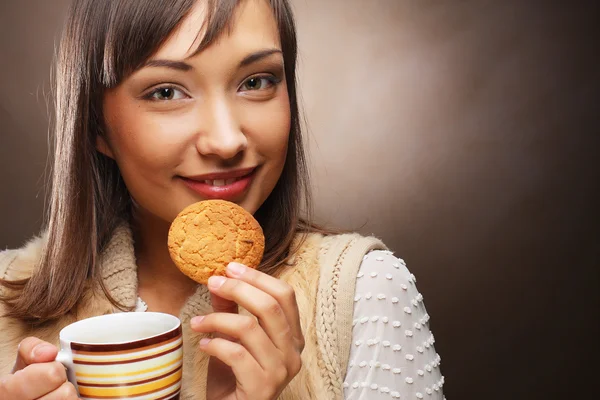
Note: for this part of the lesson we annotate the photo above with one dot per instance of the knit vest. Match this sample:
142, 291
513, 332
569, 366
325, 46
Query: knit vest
322, 272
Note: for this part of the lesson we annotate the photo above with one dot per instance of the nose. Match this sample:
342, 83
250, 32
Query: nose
221, 134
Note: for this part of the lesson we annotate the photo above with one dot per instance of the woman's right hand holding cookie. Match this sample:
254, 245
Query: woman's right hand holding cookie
36, 375
252, 357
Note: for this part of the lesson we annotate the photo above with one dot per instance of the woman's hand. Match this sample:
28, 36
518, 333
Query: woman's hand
36, 375
252, 357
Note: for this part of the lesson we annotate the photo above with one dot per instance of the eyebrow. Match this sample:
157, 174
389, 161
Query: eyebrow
183, 66
178, 65
259, 55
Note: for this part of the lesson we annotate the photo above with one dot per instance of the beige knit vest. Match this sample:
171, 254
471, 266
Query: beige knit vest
322, 273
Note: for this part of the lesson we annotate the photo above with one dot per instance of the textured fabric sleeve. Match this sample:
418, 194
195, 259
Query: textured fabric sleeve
6, 258
392, 354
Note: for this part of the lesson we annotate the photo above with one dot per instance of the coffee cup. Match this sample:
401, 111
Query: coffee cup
133, 355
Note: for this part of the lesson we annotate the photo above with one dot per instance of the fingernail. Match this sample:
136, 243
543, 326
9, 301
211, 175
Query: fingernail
216, 282
197, 320
236, 268
40, 349
204, 341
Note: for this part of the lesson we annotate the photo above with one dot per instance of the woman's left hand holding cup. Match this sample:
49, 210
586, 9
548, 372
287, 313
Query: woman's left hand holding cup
36, 375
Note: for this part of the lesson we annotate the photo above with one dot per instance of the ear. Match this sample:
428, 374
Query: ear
103, 147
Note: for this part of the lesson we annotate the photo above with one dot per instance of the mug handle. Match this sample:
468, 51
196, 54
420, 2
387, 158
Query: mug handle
66, 360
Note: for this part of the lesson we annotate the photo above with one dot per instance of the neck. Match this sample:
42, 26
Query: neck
160, 283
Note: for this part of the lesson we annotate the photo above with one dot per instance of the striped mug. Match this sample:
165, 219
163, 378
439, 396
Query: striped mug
134, 355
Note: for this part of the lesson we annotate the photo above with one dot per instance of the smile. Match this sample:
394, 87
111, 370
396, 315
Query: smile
222, 182
228, 185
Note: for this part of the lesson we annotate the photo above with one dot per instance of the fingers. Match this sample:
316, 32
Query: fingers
65, 392
33, 350
245, 329
278, 289
246, 369
267, 355
281, 292
221, 305
34, 381
267, 309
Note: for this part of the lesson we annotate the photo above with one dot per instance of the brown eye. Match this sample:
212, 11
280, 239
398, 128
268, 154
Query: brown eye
258, 83
166, 93
254, 84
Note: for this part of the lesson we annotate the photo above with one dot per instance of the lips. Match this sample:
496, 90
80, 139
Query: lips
221, 182
228, 185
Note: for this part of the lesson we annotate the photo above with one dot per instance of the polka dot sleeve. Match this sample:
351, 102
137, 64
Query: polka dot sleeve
392, 355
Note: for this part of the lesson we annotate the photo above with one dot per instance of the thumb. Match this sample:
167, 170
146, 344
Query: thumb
32, 351
220, 304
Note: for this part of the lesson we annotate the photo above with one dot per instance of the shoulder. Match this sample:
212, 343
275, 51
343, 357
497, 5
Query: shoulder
383, 281
16, 264
20, 263
333, 251
347, 251
383, 263
317, 254
391, 329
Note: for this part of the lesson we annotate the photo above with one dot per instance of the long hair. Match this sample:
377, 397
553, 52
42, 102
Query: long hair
102, 43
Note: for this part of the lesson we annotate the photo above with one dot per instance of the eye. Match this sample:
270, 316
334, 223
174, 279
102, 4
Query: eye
259, 83
165, 93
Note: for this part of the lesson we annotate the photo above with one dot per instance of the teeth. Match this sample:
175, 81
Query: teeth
221, 182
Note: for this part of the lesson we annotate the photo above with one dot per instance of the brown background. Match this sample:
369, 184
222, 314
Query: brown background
463, 133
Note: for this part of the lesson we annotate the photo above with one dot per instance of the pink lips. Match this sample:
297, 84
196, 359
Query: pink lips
222, 185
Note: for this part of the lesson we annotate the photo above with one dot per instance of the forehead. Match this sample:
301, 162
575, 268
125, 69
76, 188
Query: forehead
253, 26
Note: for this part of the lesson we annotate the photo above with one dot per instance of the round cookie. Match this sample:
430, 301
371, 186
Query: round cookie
208, 235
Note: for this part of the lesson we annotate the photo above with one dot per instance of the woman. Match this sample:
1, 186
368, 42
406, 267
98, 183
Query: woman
158, 108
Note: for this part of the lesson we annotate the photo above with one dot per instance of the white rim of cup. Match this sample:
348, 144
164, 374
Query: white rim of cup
67, 335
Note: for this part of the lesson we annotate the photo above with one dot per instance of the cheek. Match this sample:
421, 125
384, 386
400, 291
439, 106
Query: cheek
149, 148
269, 129
147, 145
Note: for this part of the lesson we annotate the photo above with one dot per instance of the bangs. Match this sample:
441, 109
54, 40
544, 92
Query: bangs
137, 29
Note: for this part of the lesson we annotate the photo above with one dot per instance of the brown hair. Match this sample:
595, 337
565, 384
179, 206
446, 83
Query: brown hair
102, 43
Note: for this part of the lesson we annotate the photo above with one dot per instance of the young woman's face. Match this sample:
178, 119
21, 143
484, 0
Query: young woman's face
215, 125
